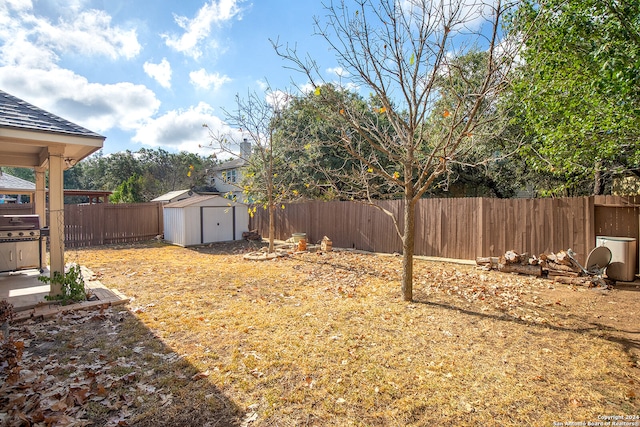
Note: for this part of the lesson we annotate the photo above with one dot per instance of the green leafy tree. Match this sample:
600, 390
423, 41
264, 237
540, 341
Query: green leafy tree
23, 173
401, 142
310, 149
164, 171
130, 191
578, 93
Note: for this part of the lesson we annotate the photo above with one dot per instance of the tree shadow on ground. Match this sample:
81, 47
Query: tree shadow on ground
107, 367
630, 340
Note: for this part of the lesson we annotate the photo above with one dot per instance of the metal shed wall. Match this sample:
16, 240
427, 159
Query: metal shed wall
174, 230
205, 219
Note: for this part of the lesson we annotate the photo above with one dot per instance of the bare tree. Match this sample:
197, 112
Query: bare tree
256, 116
429, 112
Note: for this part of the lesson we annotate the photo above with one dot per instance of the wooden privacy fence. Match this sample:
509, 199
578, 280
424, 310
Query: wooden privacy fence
463, 228
105, 223
448, 228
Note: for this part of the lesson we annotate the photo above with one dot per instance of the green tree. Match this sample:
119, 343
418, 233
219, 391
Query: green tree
309, 145
578, 93
27, 174
164, 171
401, 142
130, 191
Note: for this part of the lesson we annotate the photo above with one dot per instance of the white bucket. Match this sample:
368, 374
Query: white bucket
297, 236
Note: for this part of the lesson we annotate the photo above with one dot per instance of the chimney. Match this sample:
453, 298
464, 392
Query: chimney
245, 149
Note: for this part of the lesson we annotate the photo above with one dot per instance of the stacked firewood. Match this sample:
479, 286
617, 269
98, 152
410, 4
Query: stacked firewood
512, 262
251, 235
557, 266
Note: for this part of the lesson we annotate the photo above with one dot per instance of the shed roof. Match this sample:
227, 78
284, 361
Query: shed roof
200, 200
170, 195
189, 202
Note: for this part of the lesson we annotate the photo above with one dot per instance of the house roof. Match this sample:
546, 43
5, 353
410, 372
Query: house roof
231, 164
28, 135
15, 185
16, 113
170, 195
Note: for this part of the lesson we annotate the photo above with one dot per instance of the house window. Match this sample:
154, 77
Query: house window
230, 176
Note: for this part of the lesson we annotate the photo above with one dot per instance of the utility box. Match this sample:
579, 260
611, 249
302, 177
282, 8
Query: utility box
623, 257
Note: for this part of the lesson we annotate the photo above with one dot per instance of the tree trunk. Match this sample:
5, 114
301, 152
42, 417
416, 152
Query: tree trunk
272, 227
598, 185
272, 219
408, 246
272, 208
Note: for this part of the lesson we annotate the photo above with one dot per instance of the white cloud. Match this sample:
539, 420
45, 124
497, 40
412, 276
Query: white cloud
181, 129
30, 46
88, 33
338, 71
98, 107
278, 99
33, 40
18, 5
70, 5
160, 72
465, 15
206, 80
198, 29
262, 85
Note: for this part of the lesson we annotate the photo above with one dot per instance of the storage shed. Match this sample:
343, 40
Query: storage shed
200, 220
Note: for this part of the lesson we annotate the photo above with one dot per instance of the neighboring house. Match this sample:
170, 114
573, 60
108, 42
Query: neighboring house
175, 196
228, 175
13, 186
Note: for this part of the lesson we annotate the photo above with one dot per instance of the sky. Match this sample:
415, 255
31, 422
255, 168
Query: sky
150, 73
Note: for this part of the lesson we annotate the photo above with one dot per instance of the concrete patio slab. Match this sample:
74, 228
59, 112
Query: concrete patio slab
27, 294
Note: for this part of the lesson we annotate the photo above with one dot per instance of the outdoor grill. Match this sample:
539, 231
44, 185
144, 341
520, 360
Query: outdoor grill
20, 239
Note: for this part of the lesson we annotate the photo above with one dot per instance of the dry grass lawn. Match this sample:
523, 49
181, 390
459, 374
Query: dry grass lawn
210, 339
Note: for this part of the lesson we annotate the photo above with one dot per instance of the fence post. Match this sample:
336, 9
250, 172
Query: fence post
480, 230
160, 218
101, 228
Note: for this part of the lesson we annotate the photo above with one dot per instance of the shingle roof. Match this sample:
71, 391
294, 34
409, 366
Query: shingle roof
19, 114
10, 182
230, 164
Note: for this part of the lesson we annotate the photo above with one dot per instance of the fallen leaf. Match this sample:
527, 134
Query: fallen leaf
200, 375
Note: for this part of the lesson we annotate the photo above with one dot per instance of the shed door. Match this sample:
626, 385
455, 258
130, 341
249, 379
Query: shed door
218, 223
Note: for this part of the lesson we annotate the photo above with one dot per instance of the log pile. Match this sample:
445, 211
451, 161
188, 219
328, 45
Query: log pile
558, 266
251, 235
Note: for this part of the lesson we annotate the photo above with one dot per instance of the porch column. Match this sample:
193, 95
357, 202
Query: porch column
56, 216
40, 202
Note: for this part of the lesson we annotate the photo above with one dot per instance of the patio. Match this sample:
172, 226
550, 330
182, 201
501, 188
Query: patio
27, 294
36, 139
